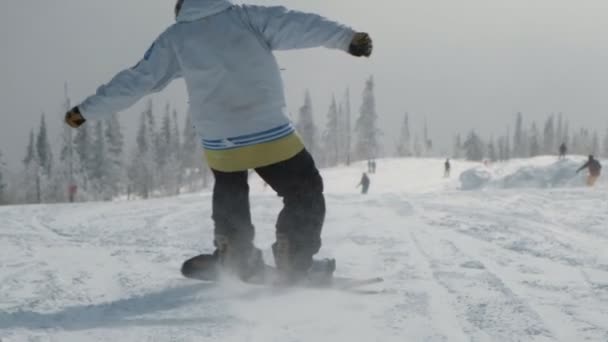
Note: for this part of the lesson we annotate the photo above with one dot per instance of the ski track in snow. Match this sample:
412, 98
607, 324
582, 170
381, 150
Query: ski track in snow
491, 265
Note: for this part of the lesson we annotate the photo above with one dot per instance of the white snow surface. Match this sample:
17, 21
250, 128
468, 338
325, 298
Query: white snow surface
518, 260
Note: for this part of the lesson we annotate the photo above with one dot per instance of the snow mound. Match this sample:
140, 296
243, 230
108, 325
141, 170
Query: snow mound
542, 172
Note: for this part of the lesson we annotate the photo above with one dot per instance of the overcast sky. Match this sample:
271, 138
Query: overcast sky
460, 64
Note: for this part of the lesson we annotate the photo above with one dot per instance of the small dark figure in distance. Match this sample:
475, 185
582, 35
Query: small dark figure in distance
364, 184
448, 168
562, 151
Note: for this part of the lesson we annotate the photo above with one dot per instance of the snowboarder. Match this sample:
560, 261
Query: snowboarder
594, 167
447, 167
224, 53
364, 183
562, 151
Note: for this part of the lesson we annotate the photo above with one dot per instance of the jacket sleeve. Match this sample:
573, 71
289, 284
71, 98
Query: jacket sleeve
586, 165
153, 73
285, 29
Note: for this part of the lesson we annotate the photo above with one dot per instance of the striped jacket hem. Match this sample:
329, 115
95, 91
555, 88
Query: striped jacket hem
249, 139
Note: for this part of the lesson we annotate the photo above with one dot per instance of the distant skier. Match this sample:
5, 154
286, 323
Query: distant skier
595, 169
562, 151
224, 53
364, 184
72, 190
447, 168
371, 166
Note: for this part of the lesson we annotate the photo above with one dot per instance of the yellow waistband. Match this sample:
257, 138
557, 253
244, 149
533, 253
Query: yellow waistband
254, 156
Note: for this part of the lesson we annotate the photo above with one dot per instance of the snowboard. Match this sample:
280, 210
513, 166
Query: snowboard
198, 268
335, 282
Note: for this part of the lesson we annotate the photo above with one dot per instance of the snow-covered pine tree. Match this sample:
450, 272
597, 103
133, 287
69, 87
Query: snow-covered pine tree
188, 157
45, 159
30, 151
331, 144
473, 147
534, 146
341, 133
348, 128
64, 171
150, 155
163, 151
31, 175
174, 167
519, 140
367, 146
99, 166
167, 155
138, 173
148, 147
306, 125
559, 133
428, 143
492, 153
508, 150
404, 148
457, 149
142, 171
176, 138
526, 144
114, 157
566, 135
43, 148
83, 149
549, 145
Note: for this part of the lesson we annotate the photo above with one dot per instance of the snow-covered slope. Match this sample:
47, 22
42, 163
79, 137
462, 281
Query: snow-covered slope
527, 264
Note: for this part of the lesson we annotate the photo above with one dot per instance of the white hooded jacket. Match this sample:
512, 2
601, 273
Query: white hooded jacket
224, 53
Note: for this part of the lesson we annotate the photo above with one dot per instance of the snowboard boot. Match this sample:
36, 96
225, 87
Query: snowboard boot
243, 261
296, 267
201, 267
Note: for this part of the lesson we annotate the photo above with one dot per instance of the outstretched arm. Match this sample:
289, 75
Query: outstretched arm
285, 29
583, 167
157, 69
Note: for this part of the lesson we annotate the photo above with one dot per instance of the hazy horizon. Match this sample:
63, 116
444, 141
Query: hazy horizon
460, 65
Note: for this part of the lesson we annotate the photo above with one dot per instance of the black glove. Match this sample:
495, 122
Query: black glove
73, 118
178, 7
361, 45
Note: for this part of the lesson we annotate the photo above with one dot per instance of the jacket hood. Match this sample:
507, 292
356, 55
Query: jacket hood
197, 9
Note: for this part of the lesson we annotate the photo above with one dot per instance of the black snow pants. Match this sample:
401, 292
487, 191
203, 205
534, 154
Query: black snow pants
298, 182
